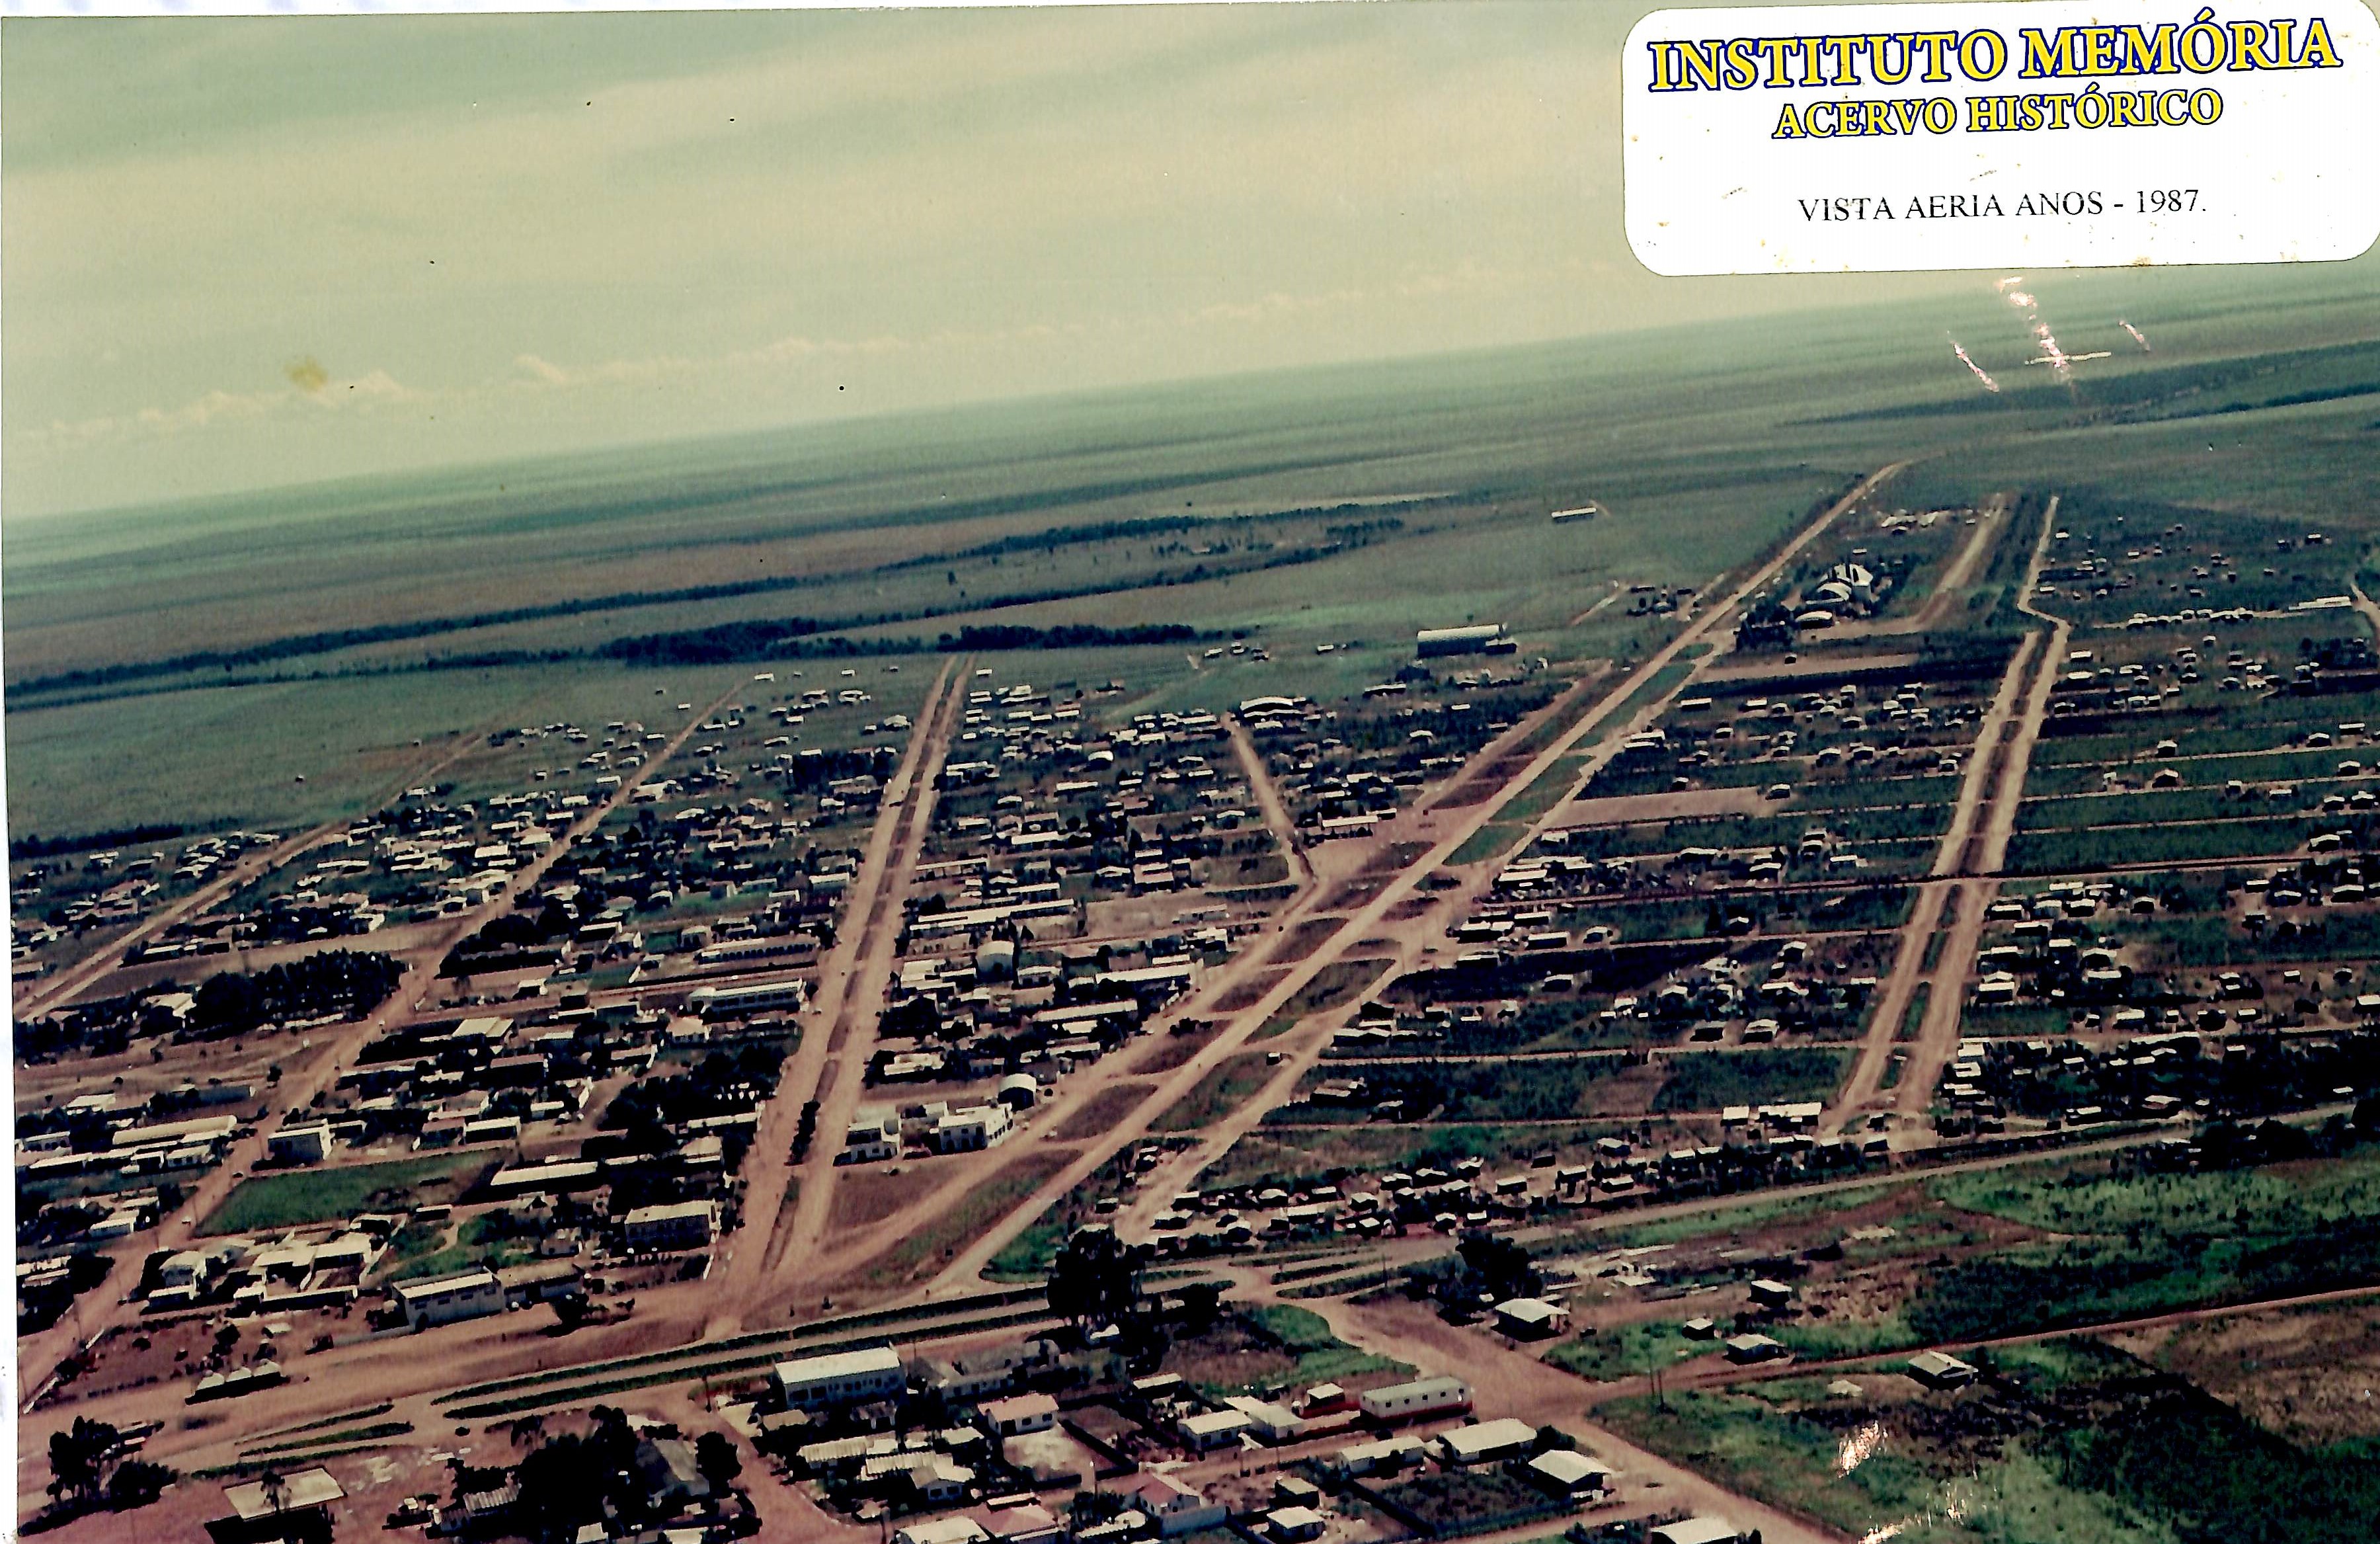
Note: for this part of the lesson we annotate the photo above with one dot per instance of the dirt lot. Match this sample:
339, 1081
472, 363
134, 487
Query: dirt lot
1305, 938
1249, 993
1178, 1049
2311, 1375
1686, 803
1104, 1109
179, 1350
1355, 892
1229, 1356
867, 1196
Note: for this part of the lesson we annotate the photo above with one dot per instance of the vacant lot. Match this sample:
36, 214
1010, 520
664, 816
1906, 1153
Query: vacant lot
2305, 1374
1217, 1094
1103, 1109
329, 1195
1713, 1081
925, 1250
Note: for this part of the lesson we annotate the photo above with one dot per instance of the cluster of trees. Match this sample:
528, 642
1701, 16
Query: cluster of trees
515, 939
567, 1479
1070, 634
33, 845
813, 770
89, 1467
342, 982
1487, 1269
38, 1308
720, 1084
1095, 1278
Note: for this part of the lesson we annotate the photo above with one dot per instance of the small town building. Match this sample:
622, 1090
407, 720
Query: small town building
300, 1144
1485, 1443
1293, 1524
656, 1229
1273, 1422
1695, 1530
959, 1529
1172, 1505
1412, 1401
839, 1378
1753, 1348
446, 1299
298, 1508
1570, 1475
1019, 1414
1209, 1430
1531, 1319
1937, 1370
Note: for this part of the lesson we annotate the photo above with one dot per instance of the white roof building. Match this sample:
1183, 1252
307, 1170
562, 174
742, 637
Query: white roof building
1695, 1530
1486, 1441
839, 1378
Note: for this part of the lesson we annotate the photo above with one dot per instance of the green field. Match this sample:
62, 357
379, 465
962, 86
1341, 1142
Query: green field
1712, 1080
2066, 1442
1230, 509
1219, 1092
1626, 1351
2117, 1246
328, 1195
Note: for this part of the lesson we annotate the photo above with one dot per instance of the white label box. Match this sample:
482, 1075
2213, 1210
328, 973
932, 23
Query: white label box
2045, 133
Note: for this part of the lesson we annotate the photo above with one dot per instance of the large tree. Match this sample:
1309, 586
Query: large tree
1095, 1278
715, 1456
77, 1457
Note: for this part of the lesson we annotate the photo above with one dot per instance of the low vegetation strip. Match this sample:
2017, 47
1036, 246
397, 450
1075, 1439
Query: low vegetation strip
330, 1438
367, 1413
2064, 1442
573, 1393
1485, 842
1664, 681
1914, 1016
788, 1339
1223, 1090
2127, 1246
332, 1195
1782, 1074
942, 1236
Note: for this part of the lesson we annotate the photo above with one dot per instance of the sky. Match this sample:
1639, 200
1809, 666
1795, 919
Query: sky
246, 253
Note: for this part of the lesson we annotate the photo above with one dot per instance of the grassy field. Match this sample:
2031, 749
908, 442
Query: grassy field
1781, 1074
990, 1201
327, 1194
1321, 1355
2066, 1442
1626, 1351
292, 754
1781, 1457
1336, 984
1492, 1092
1216, 1095
1348, 506
2120, 1246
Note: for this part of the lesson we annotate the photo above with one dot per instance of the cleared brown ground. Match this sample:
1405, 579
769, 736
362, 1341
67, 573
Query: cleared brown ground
1685, 804
1249, 993
1178, 1049
1355, 892
868, 1196
1477, 788
913, 1254
1395, 856
2311, 1375
1338, 983
1304, 939
1104, 1109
